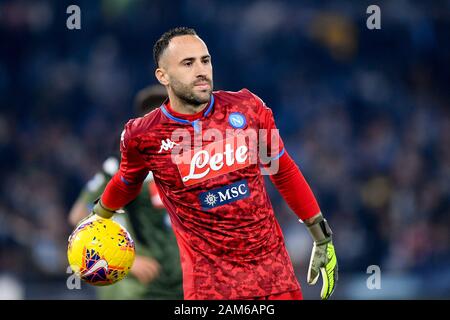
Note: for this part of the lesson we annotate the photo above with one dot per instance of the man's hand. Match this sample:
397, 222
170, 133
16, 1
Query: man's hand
145, 269
102, 211
323, 257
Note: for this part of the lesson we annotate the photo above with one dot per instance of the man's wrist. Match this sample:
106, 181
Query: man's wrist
319, 230
100, 210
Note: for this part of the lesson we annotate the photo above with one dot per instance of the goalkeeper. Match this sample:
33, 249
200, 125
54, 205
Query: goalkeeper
156, 272
231, 244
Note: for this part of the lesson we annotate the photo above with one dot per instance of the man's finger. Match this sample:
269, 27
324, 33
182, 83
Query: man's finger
329, 283
313, 271
329, 274
313, 277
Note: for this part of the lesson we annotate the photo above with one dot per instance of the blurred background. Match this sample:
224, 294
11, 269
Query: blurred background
365, 114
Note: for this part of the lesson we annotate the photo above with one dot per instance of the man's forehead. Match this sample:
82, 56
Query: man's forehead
186, 46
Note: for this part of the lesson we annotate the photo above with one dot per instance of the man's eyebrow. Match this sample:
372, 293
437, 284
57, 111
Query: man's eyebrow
188, 59
192, 58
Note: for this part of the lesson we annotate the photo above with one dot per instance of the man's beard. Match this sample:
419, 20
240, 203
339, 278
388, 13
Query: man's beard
186, 93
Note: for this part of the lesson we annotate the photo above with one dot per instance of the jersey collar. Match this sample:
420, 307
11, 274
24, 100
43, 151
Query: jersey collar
186, 118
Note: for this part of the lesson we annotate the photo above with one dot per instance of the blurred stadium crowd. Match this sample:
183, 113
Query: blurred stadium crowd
365, 114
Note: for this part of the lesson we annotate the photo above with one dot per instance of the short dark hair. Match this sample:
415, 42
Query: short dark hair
149, 98
163, 42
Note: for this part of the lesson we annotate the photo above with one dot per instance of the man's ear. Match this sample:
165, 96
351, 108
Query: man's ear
161, 75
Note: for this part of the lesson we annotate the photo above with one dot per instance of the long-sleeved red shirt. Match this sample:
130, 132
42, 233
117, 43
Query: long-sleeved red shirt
207, 169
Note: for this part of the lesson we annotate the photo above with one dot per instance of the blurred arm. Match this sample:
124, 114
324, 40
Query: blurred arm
78, 211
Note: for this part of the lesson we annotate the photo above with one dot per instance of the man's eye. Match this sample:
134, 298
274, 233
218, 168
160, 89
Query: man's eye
206, 61
188, 64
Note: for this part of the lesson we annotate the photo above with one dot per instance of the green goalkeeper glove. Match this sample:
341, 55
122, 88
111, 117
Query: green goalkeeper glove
102, 211
323, 258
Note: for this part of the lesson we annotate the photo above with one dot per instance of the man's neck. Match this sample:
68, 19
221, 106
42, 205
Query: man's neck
182, 107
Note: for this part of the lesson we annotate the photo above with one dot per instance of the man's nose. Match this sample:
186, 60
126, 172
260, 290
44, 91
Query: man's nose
201, 70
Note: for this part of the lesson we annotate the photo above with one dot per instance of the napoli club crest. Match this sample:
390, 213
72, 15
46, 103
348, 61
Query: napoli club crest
237, 120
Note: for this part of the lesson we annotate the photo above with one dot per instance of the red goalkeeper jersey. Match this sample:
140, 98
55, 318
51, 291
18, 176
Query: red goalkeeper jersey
207, 167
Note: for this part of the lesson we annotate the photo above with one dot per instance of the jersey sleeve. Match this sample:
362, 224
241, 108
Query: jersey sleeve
126, 184
294, 188
271, 146
133, 168
283, 172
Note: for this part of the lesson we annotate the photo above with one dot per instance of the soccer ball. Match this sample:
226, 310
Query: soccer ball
101, 252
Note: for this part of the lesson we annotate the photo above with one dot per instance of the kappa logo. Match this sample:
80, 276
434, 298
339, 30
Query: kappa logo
220, 196
167, 145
